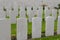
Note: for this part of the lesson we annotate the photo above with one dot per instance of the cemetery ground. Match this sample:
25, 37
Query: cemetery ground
55, 37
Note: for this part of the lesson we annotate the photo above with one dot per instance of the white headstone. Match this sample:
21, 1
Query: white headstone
49, 30
4, 3
48, 11
54, 13
30, 14
58, 28
22, 29
12, 16
39, 12
2, 14
36, 5
29, 3
13, 12
36, 27
52, 3
7, 6
5, 29
20, 3
22, 12
56, 2
34, 10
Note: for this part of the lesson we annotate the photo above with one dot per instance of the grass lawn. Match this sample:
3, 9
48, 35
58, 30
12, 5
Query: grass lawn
56, 37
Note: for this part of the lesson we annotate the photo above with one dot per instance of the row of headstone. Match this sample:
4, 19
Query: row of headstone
31, 13
22, 28
12, 8
36, 27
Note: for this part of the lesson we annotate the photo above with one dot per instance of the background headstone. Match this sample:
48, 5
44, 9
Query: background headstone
48, 11
30, 14
54, 13
22, 12
13, 12
39, 12
2, 13
5, 29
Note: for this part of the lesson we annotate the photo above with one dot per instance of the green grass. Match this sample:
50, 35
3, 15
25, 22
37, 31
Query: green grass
13, 29
56, 37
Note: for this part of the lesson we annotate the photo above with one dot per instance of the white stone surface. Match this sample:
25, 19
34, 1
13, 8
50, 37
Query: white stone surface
49, 30
22, 29
36, 27
58, 28
54, 13
22, 12
39, 12
5, 29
